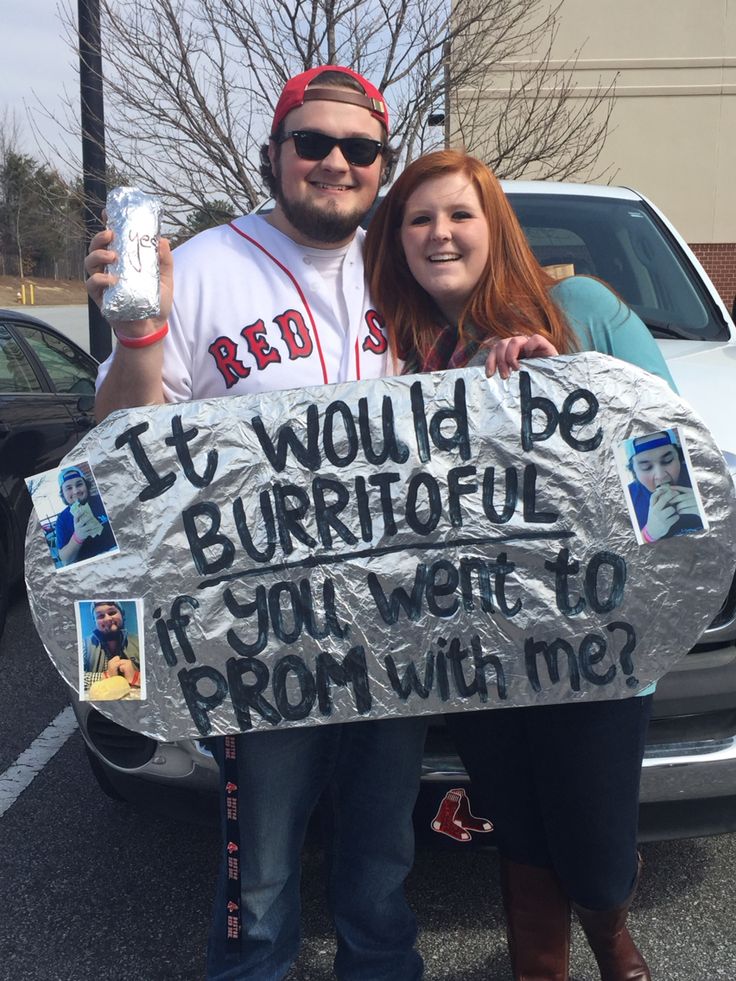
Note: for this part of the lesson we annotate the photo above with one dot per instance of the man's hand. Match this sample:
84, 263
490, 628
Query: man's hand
663, 513
101, 255
121, 666
85, 523
685, 502
506, 353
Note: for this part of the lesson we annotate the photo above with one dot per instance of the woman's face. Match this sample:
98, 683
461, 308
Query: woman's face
445, 239
658, 466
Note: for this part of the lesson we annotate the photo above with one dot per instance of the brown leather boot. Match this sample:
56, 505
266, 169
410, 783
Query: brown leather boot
618, 957
537, 923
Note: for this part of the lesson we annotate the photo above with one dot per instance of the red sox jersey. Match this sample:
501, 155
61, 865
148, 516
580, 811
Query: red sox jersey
251, 315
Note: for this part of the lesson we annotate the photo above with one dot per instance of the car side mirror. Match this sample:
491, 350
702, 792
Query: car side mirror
85, 389
83, 386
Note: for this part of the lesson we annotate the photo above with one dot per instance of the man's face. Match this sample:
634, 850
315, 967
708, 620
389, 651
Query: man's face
320, 203
74, 489
658, 466
108, 618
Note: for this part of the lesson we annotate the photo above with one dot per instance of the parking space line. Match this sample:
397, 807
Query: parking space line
31, 761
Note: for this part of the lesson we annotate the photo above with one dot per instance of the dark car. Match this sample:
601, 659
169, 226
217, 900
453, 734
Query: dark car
46, 406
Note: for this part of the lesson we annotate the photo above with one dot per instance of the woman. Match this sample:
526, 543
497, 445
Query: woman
454, 277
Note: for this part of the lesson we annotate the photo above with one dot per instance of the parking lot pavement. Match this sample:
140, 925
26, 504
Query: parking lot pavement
683, 917
95, 890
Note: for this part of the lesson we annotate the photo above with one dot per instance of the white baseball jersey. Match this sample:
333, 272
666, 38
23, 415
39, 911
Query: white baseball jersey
252, 314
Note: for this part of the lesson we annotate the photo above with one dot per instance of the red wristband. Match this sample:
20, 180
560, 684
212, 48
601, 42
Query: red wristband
157, 335
645, 535
77, 539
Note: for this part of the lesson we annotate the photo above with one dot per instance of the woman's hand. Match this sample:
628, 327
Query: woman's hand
101, 255
506, 353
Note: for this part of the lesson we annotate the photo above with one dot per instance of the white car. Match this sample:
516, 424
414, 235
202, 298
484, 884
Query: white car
689, 775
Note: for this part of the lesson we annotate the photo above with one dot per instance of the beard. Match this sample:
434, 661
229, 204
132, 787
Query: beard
111, 630
318, 224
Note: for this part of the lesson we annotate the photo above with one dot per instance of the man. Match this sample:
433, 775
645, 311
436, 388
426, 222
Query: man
110, 649
661, 492
262, 304
82, 528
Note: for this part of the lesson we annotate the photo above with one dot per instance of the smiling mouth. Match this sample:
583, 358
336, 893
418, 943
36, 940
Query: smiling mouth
330, 187
444, 257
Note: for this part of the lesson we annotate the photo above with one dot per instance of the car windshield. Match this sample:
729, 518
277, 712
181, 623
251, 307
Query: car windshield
625, 244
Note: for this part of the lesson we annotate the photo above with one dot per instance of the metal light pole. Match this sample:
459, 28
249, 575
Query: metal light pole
446, 52
93, 151
441, 117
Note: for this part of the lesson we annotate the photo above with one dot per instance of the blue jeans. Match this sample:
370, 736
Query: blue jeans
371, 772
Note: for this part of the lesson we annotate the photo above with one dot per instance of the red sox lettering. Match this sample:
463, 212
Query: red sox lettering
296, 342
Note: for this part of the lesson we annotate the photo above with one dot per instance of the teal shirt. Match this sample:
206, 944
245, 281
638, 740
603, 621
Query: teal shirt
604, 323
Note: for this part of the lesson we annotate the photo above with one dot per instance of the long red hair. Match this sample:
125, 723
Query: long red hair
512, 294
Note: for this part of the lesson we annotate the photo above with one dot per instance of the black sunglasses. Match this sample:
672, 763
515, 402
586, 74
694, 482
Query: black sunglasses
359, 151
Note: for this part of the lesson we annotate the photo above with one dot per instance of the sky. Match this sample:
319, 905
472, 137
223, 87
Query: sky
37, 67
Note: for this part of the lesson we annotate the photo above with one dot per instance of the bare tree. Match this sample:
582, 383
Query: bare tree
41, 229
9, 134
9, 144
190, 85
521, 112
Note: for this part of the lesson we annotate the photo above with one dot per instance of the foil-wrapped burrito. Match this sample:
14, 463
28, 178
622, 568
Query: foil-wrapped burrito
135, 217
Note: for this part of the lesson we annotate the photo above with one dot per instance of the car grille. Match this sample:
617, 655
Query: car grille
701, 733
118, 745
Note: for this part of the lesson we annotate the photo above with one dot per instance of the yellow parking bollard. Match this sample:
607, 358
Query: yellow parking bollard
23, 293
32, 291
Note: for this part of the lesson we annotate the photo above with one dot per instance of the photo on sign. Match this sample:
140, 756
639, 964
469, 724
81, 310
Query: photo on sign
110, 645
72, 515
661, 495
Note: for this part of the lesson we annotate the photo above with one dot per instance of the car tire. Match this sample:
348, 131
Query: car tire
102, 777
4, 586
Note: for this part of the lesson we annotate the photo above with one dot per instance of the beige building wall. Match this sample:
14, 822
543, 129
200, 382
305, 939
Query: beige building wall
673, 128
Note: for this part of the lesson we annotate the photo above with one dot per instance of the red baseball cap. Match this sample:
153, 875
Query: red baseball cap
297, 91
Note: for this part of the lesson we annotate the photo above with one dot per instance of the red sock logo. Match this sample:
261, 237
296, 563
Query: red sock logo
444, 821
467, 819
455, 819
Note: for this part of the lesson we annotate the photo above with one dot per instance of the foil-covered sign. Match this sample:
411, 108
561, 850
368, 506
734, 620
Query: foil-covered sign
135, 218
411, 545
